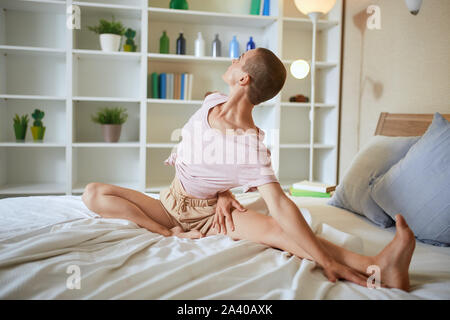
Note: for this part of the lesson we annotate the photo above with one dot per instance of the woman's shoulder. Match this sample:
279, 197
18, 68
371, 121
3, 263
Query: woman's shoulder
214, 95
209, 93
213, 99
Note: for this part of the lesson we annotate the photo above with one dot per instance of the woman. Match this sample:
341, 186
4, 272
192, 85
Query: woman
199, 203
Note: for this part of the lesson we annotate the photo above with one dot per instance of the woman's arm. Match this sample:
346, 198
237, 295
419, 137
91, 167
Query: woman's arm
290, 219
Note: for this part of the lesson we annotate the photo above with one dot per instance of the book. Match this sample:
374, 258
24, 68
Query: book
183, 84
313, 186
176, 88
191, 84
186, 83
170, 86
155, 85
307, 193
162, 86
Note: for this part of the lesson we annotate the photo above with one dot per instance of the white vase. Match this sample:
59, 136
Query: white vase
110, 42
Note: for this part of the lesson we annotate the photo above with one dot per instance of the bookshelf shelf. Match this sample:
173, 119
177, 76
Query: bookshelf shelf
72, 78
209, 18
32, 51
186, 58
173, 101
98, 54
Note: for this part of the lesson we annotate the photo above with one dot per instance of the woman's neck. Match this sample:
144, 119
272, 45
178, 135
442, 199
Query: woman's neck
237, 110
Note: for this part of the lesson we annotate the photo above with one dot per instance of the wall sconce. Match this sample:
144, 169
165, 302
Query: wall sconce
413, 6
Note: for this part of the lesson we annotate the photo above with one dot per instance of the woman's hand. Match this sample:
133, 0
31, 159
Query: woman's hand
178, 232
334, 271
223, 216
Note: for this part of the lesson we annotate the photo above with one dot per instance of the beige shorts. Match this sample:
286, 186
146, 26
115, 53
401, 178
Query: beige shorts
187, 212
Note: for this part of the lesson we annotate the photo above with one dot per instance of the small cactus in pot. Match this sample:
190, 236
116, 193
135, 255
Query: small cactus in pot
129, 45
20, 127
38, 128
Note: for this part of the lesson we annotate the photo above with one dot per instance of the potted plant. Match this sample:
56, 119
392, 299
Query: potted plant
38, 128
20, 127
111, 120
129, 45
110, 34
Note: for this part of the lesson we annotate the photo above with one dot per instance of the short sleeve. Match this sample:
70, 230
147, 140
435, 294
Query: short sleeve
253, 176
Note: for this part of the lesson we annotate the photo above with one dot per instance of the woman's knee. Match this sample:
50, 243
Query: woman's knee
91, 194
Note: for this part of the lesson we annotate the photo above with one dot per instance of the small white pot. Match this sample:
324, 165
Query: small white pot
110, 42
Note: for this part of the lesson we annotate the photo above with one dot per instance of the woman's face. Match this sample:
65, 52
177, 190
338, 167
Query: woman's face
234, 72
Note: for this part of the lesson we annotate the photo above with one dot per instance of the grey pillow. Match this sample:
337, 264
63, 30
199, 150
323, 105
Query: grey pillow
377, 157
418, 186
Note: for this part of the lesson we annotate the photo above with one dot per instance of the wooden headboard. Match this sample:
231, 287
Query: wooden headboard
404, 124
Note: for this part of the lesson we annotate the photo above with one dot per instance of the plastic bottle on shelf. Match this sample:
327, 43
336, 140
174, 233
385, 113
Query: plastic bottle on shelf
266, 8
216, 48
250, 44
234, 48
181, 44
164, 43
199, 46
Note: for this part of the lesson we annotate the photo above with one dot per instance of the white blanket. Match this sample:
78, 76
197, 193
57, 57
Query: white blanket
48, 242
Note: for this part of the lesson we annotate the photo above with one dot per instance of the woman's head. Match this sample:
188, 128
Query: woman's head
259, 72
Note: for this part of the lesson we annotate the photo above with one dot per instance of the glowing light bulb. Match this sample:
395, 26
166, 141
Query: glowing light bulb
299, 69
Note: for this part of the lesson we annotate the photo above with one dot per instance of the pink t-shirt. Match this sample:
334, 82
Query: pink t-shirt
207, 161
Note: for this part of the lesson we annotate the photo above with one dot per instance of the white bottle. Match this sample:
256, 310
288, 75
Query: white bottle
199, 46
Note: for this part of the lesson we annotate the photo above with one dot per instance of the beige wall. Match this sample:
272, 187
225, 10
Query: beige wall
402, 68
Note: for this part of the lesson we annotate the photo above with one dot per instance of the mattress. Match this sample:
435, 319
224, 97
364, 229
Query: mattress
54, 247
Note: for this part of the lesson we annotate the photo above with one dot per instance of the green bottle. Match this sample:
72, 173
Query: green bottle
255, 7
164, 43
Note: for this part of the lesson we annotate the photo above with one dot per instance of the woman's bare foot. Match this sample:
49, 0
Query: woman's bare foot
395, 258
192, 234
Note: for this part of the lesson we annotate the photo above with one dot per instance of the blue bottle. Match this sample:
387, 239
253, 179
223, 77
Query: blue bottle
250, 44
266, 8
181, 44
234, 48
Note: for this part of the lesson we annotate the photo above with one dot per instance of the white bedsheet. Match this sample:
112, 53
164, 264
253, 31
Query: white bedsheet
41, 236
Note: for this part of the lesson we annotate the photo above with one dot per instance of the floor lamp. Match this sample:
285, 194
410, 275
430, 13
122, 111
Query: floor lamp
314, 9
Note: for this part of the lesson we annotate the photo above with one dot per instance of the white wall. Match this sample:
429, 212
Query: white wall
402, 68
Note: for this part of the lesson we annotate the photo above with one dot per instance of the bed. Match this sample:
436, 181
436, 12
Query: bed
53, 247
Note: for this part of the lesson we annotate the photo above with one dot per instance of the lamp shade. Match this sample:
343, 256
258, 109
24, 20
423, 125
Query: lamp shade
313, 6
413, 6
299, 69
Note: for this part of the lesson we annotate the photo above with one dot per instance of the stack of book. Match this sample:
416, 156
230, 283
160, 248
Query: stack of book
307, 188
171, 86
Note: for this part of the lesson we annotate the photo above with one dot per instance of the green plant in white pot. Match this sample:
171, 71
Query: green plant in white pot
110, 33
111, 120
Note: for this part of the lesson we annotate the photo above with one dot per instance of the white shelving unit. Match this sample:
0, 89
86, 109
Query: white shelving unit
46, 65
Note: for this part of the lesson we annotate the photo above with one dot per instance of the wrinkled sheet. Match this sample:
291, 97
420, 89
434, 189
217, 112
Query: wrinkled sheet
42, 238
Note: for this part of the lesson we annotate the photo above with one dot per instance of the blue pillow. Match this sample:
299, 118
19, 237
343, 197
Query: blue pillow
418, 186
377, 157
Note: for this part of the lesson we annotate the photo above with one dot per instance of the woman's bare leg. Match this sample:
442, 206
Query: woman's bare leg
393, 260
254, 226
112, 201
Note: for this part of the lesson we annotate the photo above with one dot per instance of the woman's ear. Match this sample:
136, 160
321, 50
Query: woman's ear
244, 79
